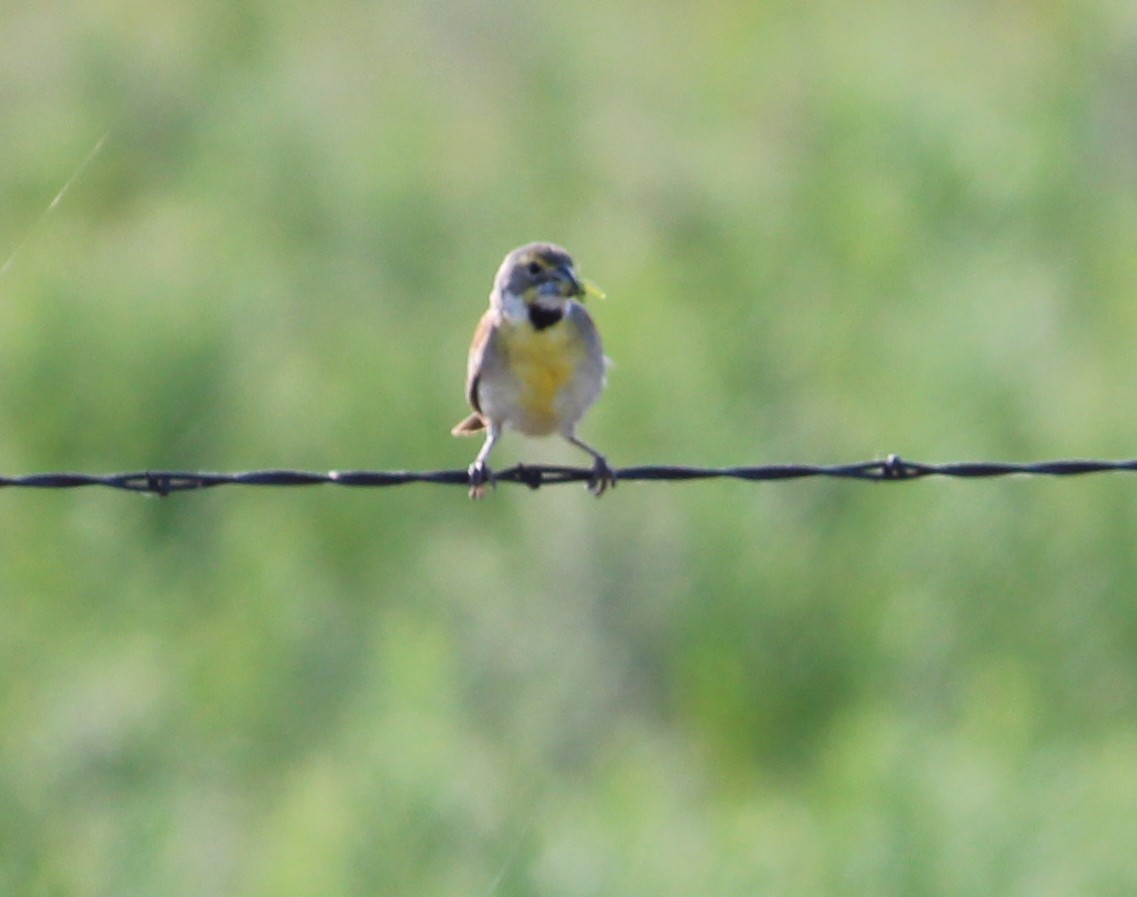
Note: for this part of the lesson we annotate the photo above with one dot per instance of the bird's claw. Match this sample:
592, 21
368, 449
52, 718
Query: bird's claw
603, 478
480, 475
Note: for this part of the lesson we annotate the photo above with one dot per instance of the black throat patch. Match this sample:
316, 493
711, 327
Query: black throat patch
541, 318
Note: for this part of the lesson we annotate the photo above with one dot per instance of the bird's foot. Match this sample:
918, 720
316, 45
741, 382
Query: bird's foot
480, 475
603, 477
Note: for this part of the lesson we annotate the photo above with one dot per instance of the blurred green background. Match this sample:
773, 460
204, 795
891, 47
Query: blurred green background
828, 231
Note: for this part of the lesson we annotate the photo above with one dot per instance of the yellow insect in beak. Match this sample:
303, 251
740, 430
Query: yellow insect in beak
589, 290
572, 285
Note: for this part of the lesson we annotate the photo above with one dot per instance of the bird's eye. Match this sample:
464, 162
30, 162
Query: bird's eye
534, 269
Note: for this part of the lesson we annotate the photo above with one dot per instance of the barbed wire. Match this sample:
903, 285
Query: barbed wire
891, 469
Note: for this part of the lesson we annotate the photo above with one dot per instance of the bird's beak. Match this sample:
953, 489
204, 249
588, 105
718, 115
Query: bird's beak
570, 283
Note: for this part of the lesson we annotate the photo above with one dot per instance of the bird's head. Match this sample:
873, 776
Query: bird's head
541, 278
539, 272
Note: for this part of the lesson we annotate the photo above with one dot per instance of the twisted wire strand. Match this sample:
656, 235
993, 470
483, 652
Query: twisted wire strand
891, 469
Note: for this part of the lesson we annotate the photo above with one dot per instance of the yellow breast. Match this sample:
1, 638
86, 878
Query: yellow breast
542, 362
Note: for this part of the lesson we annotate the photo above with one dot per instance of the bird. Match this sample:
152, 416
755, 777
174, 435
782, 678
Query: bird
536, 363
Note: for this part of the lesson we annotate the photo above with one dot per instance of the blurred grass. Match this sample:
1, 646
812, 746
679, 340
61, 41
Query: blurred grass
827, 233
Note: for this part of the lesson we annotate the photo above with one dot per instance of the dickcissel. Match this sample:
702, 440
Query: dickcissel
536, 364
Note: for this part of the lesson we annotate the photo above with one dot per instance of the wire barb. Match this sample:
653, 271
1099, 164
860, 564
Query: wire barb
891, 469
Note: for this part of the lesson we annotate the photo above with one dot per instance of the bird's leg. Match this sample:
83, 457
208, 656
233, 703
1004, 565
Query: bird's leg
480, 473
603, 476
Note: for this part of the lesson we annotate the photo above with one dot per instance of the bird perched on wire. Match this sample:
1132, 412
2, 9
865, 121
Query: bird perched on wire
536, 364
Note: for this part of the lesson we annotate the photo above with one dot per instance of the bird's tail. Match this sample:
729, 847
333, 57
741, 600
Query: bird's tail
475, 423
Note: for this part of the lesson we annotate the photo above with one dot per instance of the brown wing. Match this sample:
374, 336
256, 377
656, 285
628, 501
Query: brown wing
483, 336
485, 333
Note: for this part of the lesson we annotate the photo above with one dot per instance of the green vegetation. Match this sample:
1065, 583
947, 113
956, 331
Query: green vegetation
827, 231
